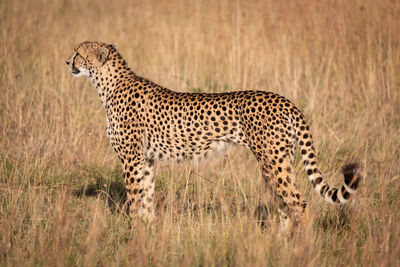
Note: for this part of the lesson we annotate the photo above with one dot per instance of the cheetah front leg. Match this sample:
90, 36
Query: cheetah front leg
139, 185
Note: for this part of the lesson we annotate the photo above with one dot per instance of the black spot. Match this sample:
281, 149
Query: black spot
334, 196
349, 172
324, 189
318, 180
345, 194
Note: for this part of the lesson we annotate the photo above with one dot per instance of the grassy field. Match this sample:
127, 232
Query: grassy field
60, 181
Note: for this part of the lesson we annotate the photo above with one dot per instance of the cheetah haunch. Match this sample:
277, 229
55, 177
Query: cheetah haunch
147, 122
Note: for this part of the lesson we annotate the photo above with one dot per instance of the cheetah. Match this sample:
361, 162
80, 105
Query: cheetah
147, 123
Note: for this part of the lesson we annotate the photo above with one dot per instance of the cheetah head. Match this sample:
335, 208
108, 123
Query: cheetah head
88, 58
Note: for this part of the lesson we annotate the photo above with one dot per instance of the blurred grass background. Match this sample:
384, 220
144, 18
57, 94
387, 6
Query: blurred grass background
337, 60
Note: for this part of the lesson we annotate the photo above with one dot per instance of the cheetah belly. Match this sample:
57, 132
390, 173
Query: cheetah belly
176, 152
180, 144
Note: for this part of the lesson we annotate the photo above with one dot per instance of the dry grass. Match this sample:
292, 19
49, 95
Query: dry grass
338, 60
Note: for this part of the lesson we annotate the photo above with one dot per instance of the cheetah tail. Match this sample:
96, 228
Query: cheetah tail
332, 195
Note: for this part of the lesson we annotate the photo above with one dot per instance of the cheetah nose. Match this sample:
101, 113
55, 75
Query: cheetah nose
67, 62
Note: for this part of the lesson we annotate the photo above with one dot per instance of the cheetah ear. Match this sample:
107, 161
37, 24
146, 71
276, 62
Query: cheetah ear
113, 46
102, 54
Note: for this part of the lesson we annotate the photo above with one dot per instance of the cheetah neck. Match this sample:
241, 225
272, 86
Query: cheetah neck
109, 78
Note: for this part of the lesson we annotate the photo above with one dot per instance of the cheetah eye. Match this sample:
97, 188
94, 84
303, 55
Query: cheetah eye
77, 55
76, 52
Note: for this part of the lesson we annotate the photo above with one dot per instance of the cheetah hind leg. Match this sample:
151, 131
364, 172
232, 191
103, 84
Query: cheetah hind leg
139, 181
284, 218
147, 211
280, 179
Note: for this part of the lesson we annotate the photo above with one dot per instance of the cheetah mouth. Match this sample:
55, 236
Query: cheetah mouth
75, 70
